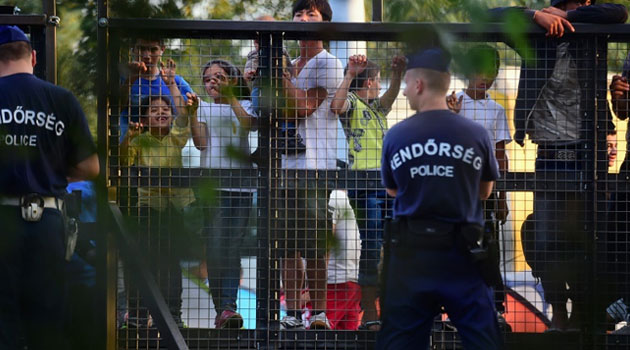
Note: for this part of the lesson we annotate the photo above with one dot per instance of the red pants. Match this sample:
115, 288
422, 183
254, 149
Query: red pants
343, 306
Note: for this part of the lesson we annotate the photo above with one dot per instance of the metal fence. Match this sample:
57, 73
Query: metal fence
195, 215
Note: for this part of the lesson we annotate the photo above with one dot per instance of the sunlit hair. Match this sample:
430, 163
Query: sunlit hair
242, 90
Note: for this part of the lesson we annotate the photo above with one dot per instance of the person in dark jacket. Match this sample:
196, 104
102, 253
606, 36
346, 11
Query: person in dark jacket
554, 106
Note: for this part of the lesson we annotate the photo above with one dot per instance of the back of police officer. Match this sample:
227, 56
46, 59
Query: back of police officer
44, 143
438, 166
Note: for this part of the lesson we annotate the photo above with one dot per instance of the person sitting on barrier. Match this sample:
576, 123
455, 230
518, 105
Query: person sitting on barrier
157, 141
344, 294
551, 109
475, 104
363, 115
142, 78
305, 220
223, 141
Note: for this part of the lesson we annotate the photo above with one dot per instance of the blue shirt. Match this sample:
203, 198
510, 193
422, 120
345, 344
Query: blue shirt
142, 88
436, 160
43, 133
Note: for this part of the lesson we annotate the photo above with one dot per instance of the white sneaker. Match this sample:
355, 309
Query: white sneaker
290, 322
319, 321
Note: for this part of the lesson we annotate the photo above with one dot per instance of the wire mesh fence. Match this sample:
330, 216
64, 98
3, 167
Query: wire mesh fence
246, 158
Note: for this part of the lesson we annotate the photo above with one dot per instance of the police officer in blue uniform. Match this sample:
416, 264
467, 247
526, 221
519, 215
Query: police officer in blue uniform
44, 143
438, 166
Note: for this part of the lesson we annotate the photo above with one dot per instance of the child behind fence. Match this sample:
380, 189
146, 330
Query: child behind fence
343, 294
157, 141
223, 141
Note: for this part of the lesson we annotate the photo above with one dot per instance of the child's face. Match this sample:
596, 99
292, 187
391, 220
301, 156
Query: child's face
148, 51
310, 15
159, 114
213, 78
481, 83
611, 143
374, 86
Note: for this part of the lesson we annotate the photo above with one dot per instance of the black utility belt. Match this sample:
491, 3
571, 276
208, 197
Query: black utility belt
423, 234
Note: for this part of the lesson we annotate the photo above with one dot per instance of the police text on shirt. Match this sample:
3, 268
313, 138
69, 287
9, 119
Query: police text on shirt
431, 148
21, 116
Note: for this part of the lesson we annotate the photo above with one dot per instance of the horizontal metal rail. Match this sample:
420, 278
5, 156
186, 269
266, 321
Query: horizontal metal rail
333, 30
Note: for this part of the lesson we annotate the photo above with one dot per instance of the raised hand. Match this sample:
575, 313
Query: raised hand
192, 104
356, 65
136, 68
250, 74
619, 87
399, 64
134, 130
167, 72
453, 103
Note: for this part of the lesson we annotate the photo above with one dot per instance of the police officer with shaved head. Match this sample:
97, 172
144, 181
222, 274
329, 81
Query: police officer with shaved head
44, 144
438, 166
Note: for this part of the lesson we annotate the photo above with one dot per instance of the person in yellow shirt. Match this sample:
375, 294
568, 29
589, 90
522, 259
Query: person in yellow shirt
363, 114
157, 141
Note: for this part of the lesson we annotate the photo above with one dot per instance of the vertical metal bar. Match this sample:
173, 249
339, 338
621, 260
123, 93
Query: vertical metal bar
377, 10
264, 204
602, 118
106, 264
50, 9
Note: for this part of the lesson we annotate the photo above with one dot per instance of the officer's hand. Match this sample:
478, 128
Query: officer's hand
555, 11
619, 87
167, 73
554, 25
192, 104
454, 103
356, 65
502, 210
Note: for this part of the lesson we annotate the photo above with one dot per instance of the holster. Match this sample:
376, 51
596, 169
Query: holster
483, 249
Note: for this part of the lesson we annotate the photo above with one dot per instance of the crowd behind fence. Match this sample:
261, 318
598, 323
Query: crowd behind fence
227, 183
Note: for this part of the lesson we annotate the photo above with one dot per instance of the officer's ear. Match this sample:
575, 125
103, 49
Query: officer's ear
420, 85
33, 58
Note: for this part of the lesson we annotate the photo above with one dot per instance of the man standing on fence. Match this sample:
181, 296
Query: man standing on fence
44, 144
438, 166
552, 107
306, 219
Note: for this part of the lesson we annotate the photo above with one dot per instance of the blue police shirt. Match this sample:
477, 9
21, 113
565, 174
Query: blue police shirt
43, 133
436, 160
144, 87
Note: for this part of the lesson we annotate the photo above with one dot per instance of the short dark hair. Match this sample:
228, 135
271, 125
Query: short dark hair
146, 101
371, 71
15, 51
484, 59
242, 90
161, 41
320, 5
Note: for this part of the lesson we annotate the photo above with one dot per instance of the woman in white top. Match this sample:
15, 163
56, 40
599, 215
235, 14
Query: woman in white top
222, 139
